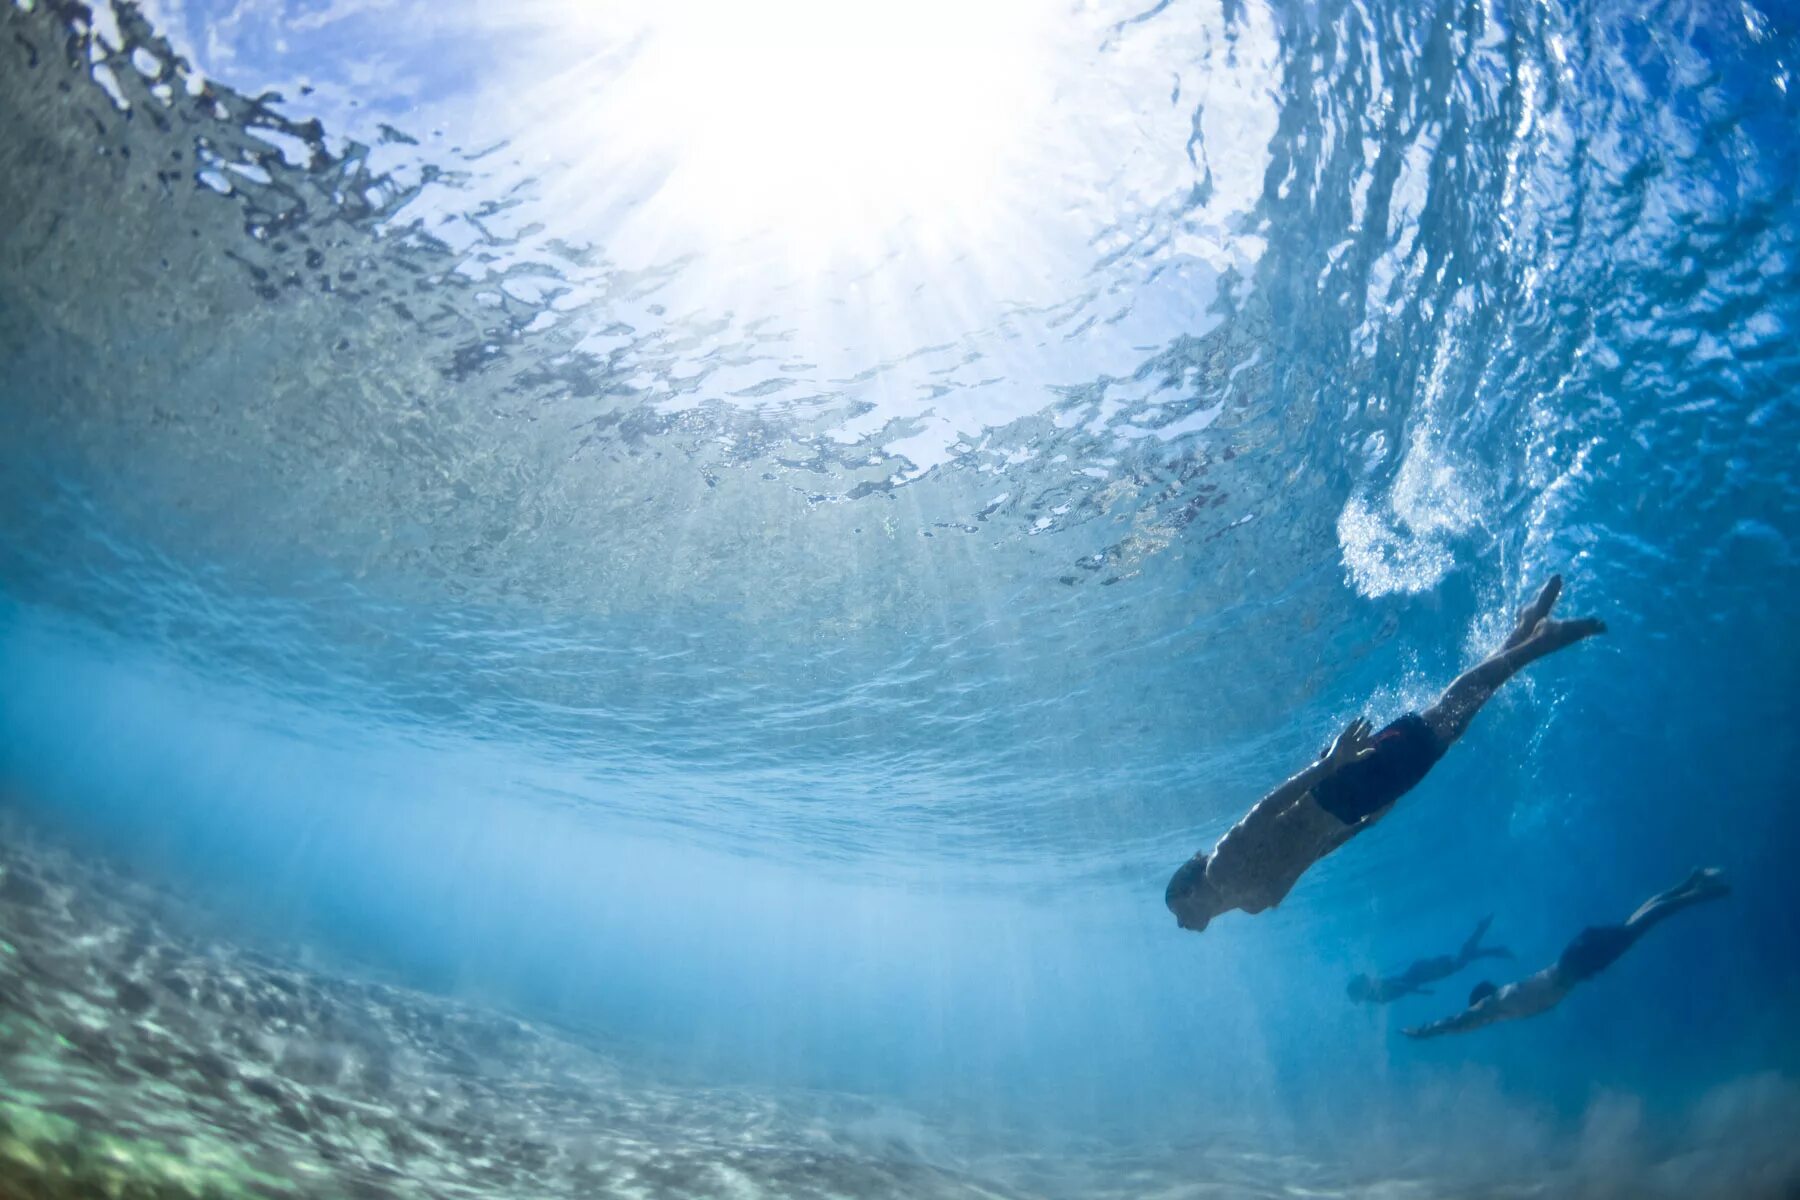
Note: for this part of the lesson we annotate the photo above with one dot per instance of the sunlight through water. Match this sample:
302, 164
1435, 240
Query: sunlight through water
640, 598
826, 126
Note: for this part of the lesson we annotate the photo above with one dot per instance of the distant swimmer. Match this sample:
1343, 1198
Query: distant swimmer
1593, 950
1410, 982
1354, 783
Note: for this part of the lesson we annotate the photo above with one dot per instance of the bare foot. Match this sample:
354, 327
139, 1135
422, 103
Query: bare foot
1533, 614
1537, 630
1551, 636
1707, 881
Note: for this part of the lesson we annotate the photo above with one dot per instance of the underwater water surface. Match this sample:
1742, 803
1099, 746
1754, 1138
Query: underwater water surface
640, 599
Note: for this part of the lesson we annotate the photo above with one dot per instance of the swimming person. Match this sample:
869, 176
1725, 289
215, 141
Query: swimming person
1370, 990
1354, 783
1593, 950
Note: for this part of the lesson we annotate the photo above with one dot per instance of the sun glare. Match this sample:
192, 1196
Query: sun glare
831, 125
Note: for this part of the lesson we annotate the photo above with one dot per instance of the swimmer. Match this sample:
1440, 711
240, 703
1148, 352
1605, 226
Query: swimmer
1411, 982
1354, 783
1593, 950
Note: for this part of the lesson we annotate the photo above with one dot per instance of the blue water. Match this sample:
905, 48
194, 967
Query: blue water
777, 603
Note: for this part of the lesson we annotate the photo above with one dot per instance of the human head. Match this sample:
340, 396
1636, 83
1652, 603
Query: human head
1480, 992
1190, 896
1362, 988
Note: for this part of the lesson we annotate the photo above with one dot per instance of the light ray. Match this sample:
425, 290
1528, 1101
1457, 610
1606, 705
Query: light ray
833, 130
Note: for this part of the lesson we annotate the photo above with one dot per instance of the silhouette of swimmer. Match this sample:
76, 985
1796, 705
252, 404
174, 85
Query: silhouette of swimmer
1354, 782
1593, 950
1370, 990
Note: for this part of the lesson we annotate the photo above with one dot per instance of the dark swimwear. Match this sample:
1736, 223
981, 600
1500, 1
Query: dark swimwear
1594, 949
1404, 753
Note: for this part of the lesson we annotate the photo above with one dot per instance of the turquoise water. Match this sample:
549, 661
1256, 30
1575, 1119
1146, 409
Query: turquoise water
757, 543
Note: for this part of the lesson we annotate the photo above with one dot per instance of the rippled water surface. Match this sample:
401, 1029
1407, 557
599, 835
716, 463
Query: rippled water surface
751, 539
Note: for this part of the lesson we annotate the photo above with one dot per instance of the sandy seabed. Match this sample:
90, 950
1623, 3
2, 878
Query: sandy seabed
146, 1054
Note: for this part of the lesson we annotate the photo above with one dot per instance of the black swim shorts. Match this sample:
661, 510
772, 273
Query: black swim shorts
1594, 949
1404, 752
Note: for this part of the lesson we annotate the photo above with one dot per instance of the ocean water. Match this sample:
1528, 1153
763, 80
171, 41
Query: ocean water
640, 598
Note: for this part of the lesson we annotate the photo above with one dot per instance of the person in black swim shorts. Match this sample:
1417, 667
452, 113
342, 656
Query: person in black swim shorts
1354, 782
1593, 950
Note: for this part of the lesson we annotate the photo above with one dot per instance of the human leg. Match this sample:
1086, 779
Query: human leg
1534, 636
1599, 946
1706, 883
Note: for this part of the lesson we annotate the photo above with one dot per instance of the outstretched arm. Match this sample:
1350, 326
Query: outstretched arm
1481, 1014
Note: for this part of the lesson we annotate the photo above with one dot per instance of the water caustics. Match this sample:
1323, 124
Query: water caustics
600, 426
973, 446
558, 400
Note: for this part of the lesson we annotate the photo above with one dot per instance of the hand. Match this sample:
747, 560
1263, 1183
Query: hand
1353, 745
1417, 1031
